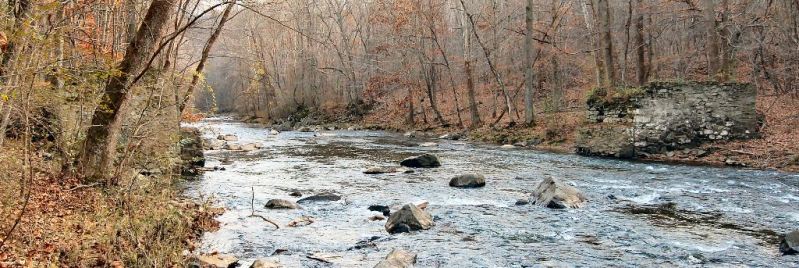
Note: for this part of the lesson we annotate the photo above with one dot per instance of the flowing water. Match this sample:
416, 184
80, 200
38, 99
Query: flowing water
639, 214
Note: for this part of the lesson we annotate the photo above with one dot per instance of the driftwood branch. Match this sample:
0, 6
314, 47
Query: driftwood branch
252, 210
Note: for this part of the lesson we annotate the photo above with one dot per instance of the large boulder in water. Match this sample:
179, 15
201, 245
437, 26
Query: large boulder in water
422, 161
398, 259
552, 193
468, 181
409, 218
323, 197
790, 243
281, 204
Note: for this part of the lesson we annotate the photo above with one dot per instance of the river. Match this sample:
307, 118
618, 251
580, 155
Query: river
714, 217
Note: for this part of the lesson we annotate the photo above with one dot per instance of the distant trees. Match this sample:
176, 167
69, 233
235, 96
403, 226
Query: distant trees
407, 59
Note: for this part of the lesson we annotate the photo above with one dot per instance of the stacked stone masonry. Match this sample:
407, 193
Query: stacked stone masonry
668, 116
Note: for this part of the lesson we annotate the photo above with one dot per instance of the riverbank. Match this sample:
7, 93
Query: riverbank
775, 148
144, 221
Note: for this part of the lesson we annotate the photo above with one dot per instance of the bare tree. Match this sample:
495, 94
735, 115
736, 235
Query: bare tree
467, 65
640, 46
529, 57
713, 44
508, 103
195, 78
606, 40
100, 147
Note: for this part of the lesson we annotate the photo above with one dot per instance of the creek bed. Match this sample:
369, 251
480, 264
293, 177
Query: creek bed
638, 214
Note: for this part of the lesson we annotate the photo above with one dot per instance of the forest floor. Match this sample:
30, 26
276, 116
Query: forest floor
56, 220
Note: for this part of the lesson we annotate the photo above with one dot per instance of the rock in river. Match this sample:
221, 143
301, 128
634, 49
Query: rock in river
422, 161
380, 208
263, 263
790, 243
213, 261
379, 170
398, 259
428, 144
228, 137
409, 218
214, 144
468, 181
552, 193
281, 204
323, 197
248, 147
232, 146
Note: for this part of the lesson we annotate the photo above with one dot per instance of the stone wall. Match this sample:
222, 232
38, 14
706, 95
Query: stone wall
666, 116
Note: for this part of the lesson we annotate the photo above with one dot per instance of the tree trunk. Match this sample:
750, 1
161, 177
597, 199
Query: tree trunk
557, 85
195, 78
19, 14
410, 119
529, 51
493, 69
99, 150
731, 39
431, 93
599, 70
606, 40
713, 44
467, 65
640, 64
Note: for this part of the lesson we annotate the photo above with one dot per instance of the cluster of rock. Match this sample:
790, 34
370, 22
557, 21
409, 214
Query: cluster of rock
229, 142
667, 116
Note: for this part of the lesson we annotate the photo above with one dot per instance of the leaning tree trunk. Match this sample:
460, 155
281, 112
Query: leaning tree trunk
99, 150
195, 78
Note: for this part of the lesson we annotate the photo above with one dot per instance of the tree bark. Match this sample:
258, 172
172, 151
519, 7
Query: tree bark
19, 14
195, 78
529, 57
640, 64
713, 44
606, 40
99, 150
599, 70
467, 65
